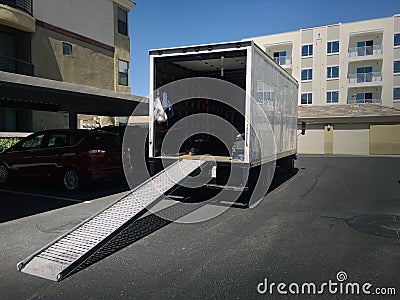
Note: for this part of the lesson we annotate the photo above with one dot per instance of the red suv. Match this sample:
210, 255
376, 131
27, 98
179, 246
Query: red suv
75, 156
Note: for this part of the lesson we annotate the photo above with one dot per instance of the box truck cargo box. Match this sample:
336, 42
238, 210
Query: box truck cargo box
236, 82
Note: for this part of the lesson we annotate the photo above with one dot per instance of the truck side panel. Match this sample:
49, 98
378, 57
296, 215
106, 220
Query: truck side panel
275, 93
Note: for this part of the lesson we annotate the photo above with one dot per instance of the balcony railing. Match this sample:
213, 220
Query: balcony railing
25, 5
283, 60
13, 65
365, 51
365, 77
356, 101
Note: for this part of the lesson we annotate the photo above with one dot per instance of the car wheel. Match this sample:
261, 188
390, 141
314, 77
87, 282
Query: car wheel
71, 179
4, 174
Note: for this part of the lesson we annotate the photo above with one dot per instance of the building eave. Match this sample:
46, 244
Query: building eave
33, 93
348, 113
127, 4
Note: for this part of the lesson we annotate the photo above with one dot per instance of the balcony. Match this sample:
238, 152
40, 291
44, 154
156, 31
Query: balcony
357, 101
17, 14
24, 5
365, 79
366, 52
284, 61
13, 65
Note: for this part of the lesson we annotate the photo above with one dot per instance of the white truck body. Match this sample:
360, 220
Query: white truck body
247, 66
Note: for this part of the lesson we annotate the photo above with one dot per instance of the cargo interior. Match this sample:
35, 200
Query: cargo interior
171, 68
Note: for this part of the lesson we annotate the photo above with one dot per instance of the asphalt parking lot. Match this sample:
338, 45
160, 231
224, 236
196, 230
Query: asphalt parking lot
23, 198
315, 223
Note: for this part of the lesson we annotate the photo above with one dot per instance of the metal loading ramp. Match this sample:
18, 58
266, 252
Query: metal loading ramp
59, 258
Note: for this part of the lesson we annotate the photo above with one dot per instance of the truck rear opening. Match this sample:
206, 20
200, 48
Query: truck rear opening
236, 83
226, 65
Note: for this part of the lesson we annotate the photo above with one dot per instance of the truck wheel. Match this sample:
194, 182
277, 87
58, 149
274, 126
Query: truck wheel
4, 174
71, 179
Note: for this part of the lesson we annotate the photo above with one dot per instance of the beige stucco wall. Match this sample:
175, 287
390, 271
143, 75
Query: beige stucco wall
328, 139
381, 31
16, 18
90, 18
396, 53
122, 52
385, 139
312, 142
351, 139
42, 120
89, 65
396, 80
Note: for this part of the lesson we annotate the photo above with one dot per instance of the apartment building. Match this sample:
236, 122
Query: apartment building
340, 68
343, 63
80, 42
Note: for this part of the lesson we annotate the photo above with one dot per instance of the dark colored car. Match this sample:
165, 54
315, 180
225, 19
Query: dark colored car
75, 156
136, 141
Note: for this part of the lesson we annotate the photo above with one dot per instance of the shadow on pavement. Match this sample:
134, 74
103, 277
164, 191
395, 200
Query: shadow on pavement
153, 222
140, 229
280, 177
25, 198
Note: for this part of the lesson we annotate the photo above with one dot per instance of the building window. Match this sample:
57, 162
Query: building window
365, 48
333, 72
123, 70
364, 98
280, 57
67, 49
333, 47
396, 67
397, 39
396, 93
364, 74
122, 21
306, 98
306, 74
332, 97
307, 50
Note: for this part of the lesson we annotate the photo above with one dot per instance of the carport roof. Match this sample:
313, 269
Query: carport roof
349, 113
33, 93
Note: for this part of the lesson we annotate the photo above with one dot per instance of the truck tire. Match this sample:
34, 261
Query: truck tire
265, 181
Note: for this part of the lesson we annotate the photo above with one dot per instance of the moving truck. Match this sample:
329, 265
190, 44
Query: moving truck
236, 82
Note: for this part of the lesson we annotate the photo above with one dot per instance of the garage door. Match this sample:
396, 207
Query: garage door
351, 139
385, 139
313, 141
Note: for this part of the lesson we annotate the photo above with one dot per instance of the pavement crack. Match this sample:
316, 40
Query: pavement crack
334, 218
315, 181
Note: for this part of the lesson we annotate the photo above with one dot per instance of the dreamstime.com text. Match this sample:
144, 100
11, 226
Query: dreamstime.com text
340, 286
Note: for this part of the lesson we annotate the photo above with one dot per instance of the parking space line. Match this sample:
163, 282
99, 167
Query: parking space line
44, 196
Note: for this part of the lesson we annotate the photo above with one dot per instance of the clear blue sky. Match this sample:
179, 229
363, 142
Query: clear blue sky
161, 23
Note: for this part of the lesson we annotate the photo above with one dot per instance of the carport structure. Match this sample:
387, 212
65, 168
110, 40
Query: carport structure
32, 93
